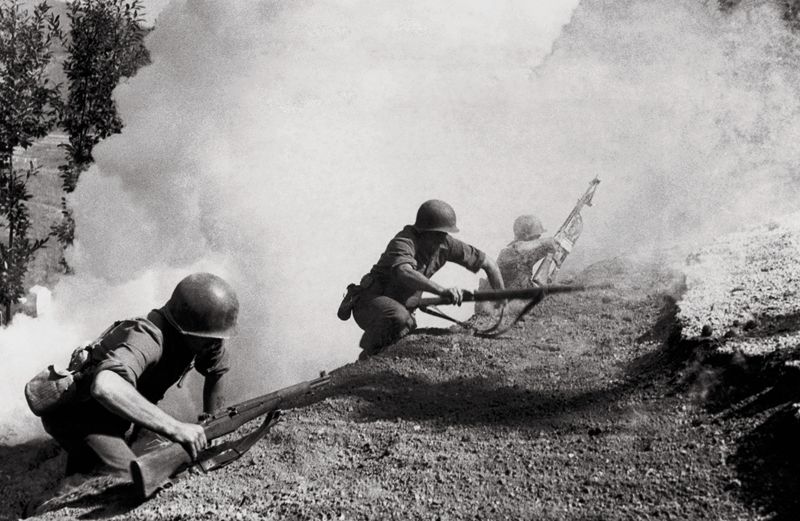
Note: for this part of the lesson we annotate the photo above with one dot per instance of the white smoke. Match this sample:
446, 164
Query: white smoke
686, 113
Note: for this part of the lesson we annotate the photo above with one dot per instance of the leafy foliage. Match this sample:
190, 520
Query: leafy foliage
29, 108
29, 104
105, 44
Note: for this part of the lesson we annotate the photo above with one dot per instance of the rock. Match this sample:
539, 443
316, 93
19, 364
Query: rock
750, 324
706, 331
733, 484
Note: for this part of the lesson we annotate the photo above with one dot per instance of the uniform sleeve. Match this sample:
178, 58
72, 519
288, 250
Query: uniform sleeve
464, 254
535, 250
214, 362
400, 250
127, 351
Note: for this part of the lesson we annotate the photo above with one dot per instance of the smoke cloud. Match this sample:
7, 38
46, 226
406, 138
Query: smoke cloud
281, 145
684, 111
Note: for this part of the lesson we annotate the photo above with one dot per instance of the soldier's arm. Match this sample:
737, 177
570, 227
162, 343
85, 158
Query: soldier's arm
213, 393
495, 278
117, 395
415, 280
534, 250
492, 271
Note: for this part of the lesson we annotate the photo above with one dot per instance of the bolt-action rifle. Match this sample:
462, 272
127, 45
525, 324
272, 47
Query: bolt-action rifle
532, 295
565, 238
535, 293
165, 459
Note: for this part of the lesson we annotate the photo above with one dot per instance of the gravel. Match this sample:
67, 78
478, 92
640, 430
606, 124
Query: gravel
744, 288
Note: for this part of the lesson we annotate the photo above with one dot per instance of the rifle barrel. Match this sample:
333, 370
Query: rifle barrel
228, 420
504, 294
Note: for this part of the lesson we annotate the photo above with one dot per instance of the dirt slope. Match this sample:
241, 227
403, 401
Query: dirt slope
594, 408
744, 289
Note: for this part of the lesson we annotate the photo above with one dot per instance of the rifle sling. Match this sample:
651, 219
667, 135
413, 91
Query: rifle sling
226, 453
496, 331
496, 326
490, 332
436, 312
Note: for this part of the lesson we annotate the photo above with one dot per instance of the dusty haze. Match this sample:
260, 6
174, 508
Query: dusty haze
281, 144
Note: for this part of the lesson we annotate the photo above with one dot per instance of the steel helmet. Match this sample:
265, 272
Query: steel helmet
527, 227
436, 216
203, 305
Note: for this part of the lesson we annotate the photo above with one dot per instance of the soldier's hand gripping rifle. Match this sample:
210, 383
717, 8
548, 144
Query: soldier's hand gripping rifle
532, 295
565, 238
165, 458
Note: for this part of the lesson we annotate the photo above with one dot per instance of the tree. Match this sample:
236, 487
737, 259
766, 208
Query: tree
105, 44
29, 109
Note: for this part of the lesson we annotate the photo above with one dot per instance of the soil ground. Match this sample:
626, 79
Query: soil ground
595, 407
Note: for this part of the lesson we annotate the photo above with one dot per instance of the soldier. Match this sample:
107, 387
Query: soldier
132, 366
412, 257
517, 260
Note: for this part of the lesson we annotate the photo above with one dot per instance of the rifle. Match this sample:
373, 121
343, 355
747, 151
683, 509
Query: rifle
165, 459
533, 295
502, 294
565, 237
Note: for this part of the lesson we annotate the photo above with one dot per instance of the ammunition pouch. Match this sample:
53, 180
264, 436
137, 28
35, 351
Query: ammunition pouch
353, 293
348, 301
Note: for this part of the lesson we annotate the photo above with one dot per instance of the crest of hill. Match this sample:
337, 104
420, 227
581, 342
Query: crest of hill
742, 288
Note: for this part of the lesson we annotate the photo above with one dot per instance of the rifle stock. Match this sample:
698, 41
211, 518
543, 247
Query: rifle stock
154, 468
503, 294
150, 471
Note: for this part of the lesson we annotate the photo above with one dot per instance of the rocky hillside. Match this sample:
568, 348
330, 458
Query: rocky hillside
744, 289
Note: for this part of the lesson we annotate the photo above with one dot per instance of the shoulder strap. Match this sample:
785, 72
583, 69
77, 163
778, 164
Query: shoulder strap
81, 356
102, 335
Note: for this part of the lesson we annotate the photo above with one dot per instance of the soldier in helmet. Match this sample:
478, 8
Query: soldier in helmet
517, 260
404, 269
131, 367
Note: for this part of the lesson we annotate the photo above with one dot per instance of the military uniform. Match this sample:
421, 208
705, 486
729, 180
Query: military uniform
380, 306
516, 261
149, 354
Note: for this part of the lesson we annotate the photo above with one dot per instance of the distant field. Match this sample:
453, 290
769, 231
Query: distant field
46, 186
45, 204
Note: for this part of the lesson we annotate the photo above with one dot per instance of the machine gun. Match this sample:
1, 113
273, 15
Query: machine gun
164, 458
565, 238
